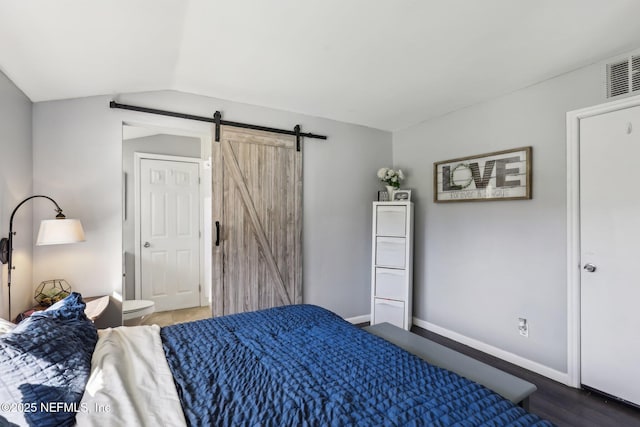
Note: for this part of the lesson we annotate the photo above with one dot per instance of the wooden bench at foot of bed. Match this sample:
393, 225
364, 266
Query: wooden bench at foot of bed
508, 386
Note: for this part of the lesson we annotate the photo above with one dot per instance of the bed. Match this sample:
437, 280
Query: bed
293, 365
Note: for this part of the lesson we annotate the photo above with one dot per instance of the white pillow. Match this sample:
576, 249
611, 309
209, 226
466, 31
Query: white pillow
6, 326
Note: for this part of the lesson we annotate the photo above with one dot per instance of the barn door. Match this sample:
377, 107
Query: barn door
257, 201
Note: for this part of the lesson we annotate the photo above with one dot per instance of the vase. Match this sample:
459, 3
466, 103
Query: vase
390, 190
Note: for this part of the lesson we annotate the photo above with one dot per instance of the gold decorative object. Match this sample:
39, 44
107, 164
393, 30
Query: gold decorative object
50, 292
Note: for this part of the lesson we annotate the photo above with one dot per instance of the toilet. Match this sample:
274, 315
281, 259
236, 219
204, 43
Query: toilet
133, 311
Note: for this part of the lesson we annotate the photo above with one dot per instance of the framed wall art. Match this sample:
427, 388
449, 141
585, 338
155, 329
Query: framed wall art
502, 175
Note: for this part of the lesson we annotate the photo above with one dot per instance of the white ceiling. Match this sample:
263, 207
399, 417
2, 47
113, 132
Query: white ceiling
385, 64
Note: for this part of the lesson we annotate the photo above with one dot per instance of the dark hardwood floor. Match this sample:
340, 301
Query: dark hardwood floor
558, 403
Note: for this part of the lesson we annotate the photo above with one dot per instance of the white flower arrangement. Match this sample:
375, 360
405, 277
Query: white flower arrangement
391, 177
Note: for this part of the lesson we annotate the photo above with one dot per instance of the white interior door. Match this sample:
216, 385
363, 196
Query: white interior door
610, 236
169, 233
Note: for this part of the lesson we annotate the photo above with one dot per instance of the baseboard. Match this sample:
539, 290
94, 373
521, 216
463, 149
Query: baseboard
523, 362
359, 319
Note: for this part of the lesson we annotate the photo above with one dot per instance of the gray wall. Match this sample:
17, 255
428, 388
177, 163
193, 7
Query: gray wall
77, 154
481, 265
174, 145
15, 185
478, 266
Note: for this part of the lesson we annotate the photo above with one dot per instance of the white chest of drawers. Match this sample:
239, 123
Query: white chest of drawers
392, 263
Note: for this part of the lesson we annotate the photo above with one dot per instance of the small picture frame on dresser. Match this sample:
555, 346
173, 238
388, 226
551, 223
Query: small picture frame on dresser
383, 196
402, 195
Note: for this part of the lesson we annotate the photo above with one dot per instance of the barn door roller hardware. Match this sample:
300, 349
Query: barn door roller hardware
217, 120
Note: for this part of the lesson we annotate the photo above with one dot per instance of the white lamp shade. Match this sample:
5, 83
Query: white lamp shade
60, 231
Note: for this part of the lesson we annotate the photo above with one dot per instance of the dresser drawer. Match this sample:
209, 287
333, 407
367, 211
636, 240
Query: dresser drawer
390, 251
386, 310
391, 220
390, 283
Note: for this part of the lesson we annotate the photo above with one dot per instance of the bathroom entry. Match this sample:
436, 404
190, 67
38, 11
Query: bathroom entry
184, 280
168, 225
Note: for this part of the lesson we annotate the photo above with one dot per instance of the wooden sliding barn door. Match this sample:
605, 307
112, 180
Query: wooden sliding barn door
257, 199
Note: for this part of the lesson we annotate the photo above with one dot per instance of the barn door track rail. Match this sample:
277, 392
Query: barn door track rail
217, 120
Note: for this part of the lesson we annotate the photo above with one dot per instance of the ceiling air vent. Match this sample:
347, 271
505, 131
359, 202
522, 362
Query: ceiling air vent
623, 77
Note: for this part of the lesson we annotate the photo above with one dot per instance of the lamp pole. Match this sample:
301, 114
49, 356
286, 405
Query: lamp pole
6, 244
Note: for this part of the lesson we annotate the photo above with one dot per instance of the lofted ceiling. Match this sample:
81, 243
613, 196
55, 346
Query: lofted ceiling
385, 64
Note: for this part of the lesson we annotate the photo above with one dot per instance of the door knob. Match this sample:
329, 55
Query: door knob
148, 245
590, 268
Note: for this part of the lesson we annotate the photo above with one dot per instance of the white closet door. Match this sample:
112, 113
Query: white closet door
610, 239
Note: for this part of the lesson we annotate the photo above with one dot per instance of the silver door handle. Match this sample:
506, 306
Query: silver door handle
590, 268
148, 245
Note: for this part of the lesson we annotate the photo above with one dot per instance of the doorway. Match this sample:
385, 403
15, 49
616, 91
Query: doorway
179, 276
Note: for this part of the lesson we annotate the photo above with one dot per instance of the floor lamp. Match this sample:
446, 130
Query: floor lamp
52, 232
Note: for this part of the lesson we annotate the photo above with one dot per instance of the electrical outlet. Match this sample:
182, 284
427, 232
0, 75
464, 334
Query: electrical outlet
523, 327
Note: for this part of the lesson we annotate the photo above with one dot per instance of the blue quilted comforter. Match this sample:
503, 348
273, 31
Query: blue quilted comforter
303, 365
